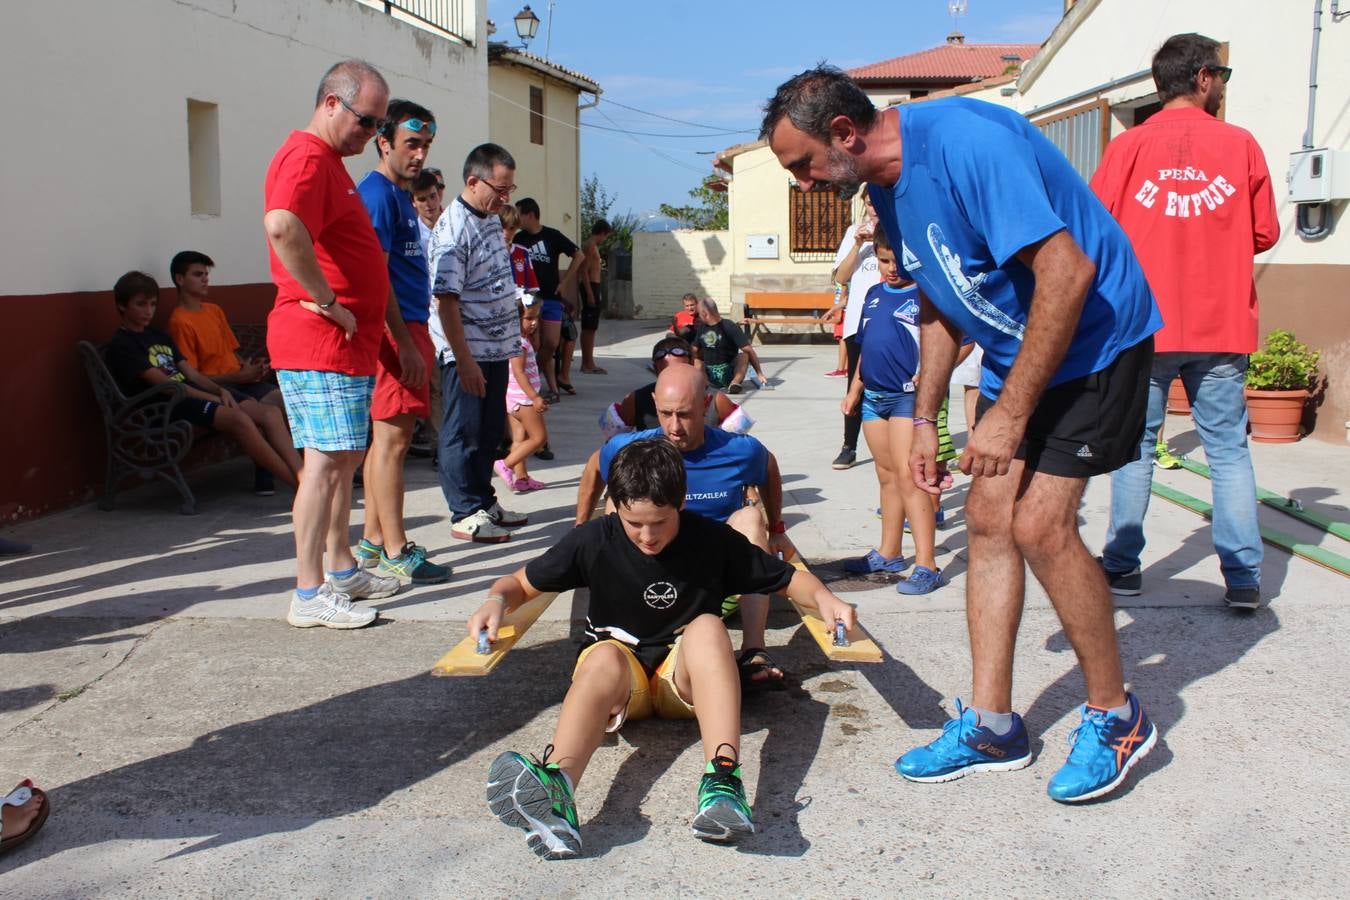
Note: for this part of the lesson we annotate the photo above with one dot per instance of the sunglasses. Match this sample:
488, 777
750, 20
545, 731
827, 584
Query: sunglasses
416, 125
363, 121
669, 351
1223, 73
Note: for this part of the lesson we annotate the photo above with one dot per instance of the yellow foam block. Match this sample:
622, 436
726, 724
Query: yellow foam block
464, 658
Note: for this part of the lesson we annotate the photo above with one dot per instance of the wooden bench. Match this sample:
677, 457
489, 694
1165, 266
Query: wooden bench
763, 308
142, 440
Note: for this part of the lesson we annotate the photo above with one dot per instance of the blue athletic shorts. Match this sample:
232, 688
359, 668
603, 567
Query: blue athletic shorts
327, 410
551, 310
887, 404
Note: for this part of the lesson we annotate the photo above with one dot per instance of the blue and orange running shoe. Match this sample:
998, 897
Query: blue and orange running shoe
967, 746
1104, 747
534, 795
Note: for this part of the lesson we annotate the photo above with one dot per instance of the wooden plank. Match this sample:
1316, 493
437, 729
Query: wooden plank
464, 658
785, 320
788, 300
861, 647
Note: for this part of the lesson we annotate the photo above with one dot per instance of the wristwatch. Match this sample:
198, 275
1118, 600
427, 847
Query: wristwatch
779, 527
328, 305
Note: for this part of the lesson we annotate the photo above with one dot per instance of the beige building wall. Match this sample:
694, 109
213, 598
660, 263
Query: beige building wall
111, 83
548, 172
669, 264
1303, 284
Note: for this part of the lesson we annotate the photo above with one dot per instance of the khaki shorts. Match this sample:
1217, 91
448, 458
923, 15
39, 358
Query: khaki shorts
648, 696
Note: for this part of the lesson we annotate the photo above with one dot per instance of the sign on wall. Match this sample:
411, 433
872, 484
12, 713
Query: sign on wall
761, 246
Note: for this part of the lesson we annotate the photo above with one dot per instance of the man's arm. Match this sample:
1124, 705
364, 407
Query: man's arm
471, 379
1063, 275
412, 367
1265, 221
588, 491
938, 340
292, 244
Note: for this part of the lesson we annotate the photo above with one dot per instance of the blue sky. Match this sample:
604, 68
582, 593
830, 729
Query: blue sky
715, 63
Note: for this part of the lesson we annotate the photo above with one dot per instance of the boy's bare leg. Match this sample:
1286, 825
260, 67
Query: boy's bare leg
599, 690
237, 424
549, 335
877, 433
995, 587
271, 419
917, 503
1045, 527
323, 473
706, 676
384, 482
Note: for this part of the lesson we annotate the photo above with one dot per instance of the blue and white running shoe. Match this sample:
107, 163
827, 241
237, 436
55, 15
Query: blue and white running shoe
1104, 747
967, 746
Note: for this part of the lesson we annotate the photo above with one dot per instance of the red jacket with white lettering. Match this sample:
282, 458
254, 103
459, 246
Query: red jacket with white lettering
1193, 194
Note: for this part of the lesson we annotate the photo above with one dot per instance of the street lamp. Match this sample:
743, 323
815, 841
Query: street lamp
527, 25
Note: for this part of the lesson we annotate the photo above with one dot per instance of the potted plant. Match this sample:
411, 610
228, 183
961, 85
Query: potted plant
1279, 377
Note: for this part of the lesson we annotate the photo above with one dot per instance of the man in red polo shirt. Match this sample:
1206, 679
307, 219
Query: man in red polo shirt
1194, 195
323, 334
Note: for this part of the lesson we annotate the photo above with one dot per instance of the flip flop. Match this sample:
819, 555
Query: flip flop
18, 797
596, 371
567, 388
755, 660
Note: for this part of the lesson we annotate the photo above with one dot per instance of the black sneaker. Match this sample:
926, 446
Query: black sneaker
264, 484
1123, 584
1243, 598
845, 459
735, 387
543, 453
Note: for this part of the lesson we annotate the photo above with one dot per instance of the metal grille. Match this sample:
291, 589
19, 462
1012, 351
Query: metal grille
819, 219
448, 16
1080, 134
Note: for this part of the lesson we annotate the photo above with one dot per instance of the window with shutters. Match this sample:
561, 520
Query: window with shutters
536, 115
818, 221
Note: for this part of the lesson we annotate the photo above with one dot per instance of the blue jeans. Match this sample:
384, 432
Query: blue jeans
471, 429
1214, 383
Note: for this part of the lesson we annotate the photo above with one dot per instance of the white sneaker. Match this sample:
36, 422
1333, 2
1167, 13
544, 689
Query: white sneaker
481, 528
506, 517
365, 584
329, 609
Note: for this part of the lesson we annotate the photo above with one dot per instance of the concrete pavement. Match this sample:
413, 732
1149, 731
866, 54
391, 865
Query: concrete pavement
195, 744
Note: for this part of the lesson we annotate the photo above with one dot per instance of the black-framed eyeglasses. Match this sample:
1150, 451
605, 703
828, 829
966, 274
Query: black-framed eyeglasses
1223, 73
362, 120
669, 351
498, 190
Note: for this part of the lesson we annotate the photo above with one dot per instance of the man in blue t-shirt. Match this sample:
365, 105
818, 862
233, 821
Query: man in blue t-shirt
402, 390
1009, 247
720, 466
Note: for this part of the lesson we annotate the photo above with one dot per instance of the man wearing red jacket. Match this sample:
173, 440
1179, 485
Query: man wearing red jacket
1193, 193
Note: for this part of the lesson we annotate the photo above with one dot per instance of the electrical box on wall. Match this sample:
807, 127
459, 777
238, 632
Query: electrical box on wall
1319, 176
761, 246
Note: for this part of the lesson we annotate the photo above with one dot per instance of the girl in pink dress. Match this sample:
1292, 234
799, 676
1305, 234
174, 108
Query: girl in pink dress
525, 409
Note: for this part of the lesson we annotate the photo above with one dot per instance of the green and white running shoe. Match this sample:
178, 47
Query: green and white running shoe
723, 815
1163, 458
534, 795
413, 565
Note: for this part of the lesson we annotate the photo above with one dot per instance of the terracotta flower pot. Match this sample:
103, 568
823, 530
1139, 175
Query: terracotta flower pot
1178, 404
1276, 415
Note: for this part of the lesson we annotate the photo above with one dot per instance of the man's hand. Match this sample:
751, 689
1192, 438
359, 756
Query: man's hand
338, 314
412, 367
923, 463
992, 444
471, 379
488, 616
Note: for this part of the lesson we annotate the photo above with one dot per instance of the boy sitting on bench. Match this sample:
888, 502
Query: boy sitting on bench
655, 645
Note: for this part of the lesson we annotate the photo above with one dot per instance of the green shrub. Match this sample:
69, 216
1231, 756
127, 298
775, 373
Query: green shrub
1283, 364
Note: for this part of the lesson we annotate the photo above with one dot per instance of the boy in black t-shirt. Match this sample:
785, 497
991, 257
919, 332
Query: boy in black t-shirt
140, 357
655, 644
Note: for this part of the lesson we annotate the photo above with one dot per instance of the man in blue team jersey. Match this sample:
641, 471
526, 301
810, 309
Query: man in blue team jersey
719, 466
1009, 247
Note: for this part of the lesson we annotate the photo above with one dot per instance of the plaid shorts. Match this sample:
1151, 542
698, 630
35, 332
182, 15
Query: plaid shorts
327, 410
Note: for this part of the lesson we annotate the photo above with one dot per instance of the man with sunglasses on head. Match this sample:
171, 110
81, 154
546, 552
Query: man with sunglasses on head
324, 332
476, 330
406, 357
1193, 194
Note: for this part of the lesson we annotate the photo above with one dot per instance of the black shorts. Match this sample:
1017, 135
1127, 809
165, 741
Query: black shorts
196, 411
1090, 425
590, 315
259, 391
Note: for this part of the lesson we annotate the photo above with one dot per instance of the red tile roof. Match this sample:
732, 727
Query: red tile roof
949, 62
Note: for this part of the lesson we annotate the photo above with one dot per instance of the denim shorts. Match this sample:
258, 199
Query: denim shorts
887, 404
327, 410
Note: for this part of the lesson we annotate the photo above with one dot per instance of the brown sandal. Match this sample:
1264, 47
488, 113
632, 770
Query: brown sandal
21, 794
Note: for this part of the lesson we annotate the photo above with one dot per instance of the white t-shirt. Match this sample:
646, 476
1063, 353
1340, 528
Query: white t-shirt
469, 258
864, 276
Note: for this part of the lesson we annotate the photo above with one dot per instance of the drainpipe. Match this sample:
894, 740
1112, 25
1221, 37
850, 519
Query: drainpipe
1303, 217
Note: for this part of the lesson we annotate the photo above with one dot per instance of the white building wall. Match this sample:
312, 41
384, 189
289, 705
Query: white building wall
669, 264
98, 178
